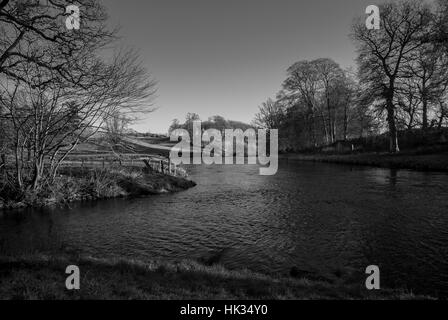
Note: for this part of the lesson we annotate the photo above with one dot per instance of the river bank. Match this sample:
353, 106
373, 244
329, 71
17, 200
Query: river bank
82, 184
410, 161
39, 277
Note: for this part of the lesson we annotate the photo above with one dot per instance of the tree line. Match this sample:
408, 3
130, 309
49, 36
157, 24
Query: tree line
59, 87
215, 122
400, 83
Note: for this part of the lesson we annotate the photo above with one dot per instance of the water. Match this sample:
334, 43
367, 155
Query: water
322, 219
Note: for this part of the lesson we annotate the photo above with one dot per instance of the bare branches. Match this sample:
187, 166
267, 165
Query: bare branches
386, 54
40, 27
56, 89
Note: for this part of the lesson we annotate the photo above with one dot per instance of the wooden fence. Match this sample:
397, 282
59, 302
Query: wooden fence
156, 164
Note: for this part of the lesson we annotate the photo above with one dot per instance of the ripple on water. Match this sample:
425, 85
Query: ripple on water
314, 219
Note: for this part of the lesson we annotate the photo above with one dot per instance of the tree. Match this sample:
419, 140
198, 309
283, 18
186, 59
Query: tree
175, 124
31, 29
322, 90
57, 89
428, 68
343, 95
384, 53
216, 122
271, 115
330, 75
302, 85
408, 101
190, 118
439, 35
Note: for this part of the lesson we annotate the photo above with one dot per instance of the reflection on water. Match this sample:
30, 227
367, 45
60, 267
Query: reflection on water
322, 219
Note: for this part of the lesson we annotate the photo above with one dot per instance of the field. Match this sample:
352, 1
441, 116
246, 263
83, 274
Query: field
94, 171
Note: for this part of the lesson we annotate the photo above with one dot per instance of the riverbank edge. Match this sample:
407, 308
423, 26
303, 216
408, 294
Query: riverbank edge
417, 162
42, 277
93, 184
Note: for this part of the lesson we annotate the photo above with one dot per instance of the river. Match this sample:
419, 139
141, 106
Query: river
324, 220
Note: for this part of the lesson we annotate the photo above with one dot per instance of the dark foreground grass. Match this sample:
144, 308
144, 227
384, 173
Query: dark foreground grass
420, 162
43, 277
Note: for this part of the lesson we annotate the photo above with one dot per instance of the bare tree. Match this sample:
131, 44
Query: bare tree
428, 68
56, 89
330, 75
175, 124
408, 100
31, 28
323, 90
271, 115
50, 121
383, 53
302, 85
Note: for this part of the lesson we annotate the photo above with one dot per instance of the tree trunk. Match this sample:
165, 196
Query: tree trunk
425, 112
310, 121
424, 93
18, 161
335, 133
345, 123
38, 172
411, 121
330, 125
442, 115
393, 136
324, 124
3, 163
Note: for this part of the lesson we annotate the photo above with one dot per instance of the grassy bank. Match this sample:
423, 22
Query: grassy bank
411, 161
78, 184
43, 277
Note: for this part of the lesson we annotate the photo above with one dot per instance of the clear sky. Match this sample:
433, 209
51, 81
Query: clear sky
225, 57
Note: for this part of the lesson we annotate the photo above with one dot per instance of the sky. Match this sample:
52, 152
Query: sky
225, 57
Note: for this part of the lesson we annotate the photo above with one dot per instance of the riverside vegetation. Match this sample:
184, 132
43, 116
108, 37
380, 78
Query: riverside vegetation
421, 150
77, 184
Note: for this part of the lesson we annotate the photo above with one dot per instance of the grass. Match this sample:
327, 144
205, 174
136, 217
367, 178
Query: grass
423, 150
39, 277
80, 184
421, 162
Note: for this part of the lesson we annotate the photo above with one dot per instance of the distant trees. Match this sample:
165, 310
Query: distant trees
215, 122
401, 83
175, 124
56, 89
318, 95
